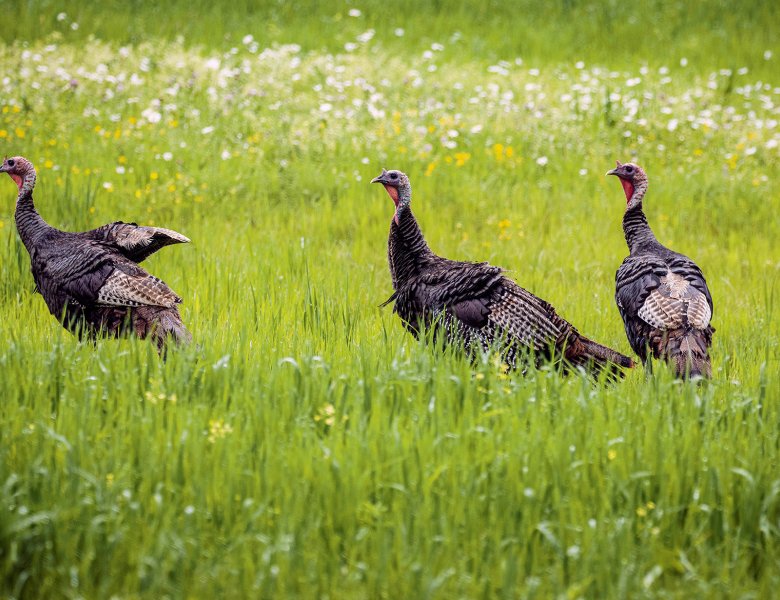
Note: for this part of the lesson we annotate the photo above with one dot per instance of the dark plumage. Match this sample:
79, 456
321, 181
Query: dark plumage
134, 241
661, 294
474, 304
90, 280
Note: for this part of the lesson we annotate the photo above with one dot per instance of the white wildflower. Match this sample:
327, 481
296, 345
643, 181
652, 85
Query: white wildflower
542, 161
366, 36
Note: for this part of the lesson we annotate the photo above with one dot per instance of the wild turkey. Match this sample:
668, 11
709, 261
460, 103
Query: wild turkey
662, 295
474, 304
90, 280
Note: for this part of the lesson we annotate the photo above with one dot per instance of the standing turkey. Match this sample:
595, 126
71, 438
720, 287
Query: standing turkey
474, 304
90, 280
662, 295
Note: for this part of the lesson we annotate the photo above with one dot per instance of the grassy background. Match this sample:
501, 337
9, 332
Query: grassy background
306, 446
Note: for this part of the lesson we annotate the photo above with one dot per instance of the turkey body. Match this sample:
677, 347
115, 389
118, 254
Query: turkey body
474, 305
96, 291
666, 308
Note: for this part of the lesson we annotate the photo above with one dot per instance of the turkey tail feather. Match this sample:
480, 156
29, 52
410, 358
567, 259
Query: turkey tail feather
687, 353
587, 353
161, 325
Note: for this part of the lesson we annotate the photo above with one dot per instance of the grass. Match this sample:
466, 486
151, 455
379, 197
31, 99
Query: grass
306, 445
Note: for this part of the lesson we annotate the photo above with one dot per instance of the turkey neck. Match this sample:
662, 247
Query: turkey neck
29, 223
638, 234
407, 249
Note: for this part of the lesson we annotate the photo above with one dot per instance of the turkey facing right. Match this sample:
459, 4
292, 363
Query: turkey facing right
474, 305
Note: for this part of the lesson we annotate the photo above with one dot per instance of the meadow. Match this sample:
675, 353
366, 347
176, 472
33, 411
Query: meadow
305, 446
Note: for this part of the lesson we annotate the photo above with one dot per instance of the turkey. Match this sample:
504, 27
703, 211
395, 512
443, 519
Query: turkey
474, 304
90, 280
662, 295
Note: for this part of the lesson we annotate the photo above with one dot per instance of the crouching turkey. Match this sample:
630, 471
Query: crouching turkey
474, 304
661, 294
90, 280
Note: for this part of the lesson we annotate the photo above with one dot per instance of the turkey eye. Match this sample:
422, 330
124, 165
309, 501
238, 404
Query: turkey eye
11, 163
394, 176
629, 169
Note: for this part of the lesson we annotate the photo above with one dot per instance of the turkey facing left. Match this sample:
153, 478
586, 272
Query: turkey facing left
661, 294
90, 280
474, 304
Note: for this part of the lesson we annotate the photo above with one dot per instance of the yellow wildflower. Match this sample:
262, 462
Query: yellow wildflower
218, 429
612, 454
461, 158
19, 132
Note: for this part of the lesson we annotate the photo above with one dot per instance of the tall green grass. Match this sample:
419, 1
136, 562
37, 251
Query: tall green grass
305, 445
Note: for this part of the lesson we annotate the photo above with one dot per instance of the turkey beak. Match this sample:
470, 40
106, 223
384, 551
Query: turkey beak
615, 170
380, 178
3, 169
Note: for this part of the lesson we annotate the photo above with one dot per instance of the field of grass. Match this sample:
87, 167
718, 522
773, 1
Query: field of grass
305, 446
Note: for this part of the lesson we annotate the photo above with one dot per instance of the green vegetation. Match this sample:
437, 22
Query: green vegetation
305, 445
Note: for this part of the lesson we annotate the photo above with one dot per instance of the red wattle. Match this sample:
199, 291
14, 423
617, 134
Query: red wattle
628, 188
17, 180
393, 193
